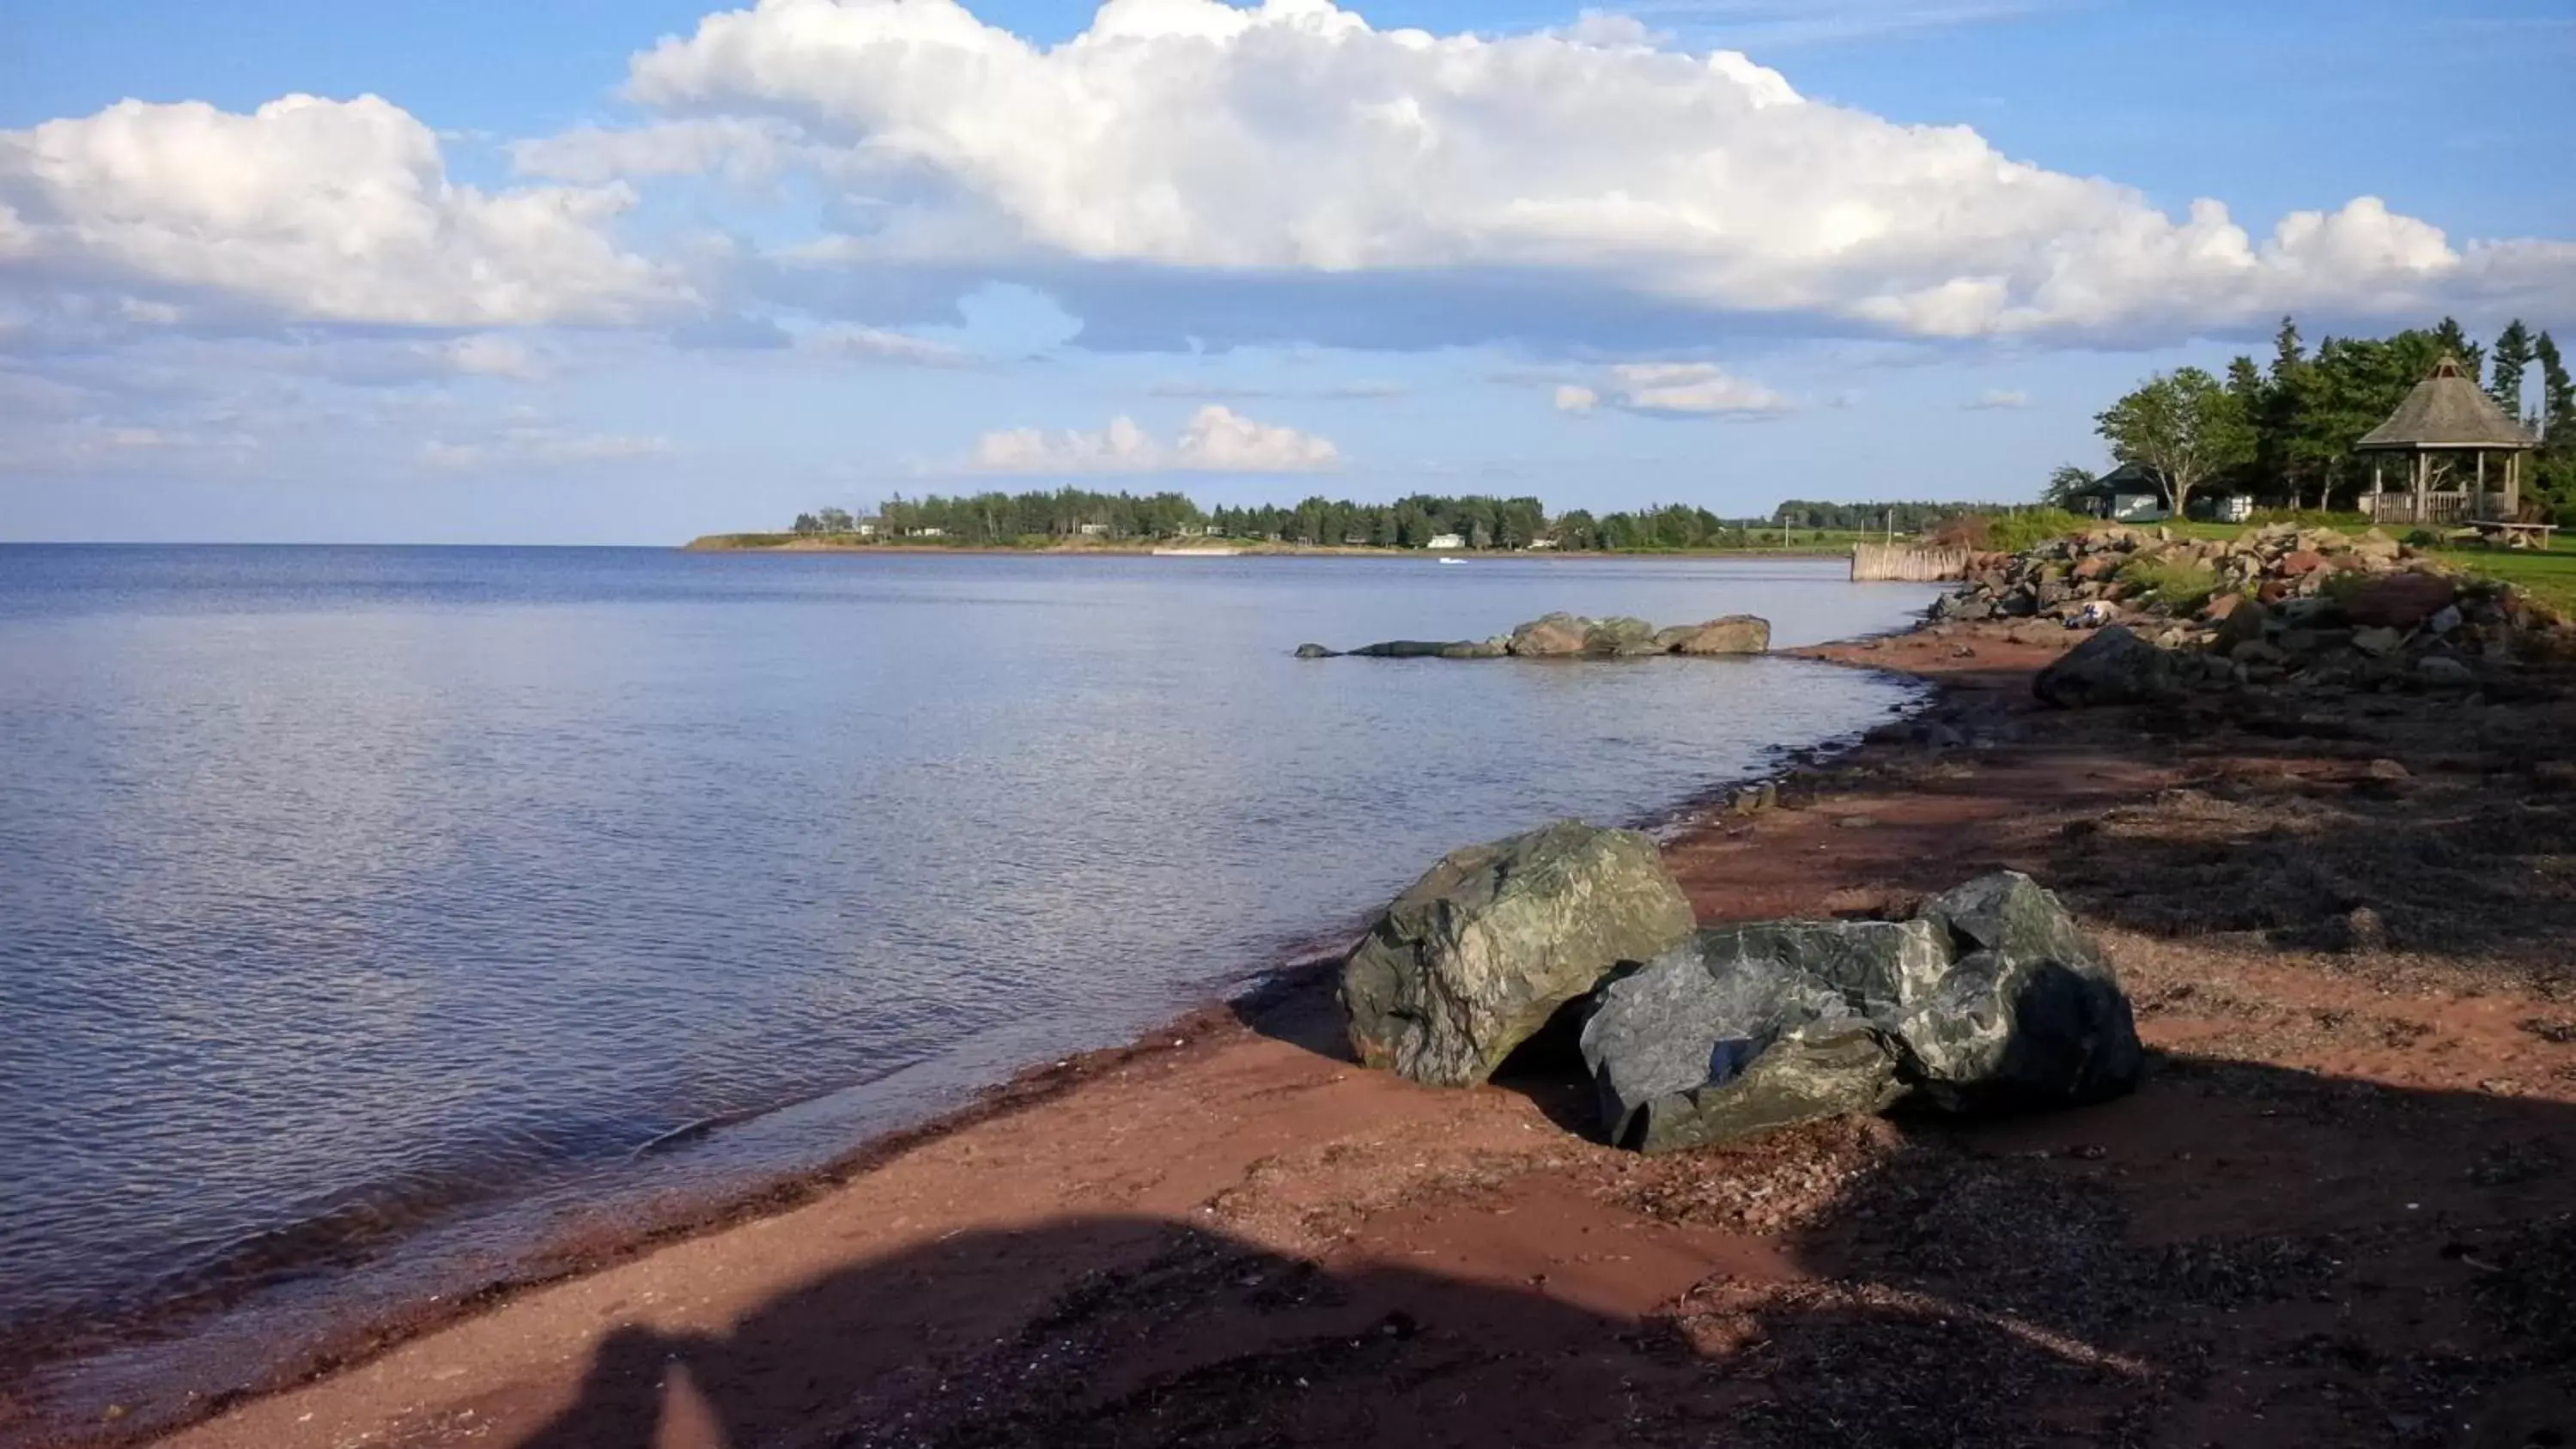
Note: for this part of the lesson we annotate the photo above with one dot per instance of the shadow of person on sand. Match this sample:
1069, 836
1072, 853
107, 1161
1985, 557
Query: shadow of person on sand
2238, 1254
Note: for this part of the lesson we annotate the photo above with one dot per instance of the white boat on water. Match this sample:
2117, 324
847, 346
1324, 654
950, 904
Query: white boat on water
1188, 551
1452, 560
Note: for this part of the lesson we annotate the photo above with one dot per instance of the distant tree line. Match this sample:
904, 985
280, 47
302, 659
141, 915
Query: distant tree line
2285, 433
1874, 517
1474, 521
1004, 517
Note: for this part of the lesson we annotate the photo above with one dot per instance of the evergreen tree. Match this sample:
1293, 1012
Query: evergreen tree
2512, 355
2557, 399
2251, 397
2283, 449
2553, 472
2455, 343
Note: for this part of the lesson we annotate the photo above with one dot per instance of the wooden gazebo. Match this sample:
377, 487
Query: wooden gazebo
2446, 428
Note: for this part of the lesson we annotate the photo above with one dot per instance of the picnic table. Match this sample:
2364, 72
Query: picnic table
2494, 531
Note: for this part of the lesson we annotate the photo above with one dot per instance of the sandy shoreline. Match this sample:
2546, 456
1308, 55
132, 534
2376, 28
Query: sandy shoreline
2321, 1221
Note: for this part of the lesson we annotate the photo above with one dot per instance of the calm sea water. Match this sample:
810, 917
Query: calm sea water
364, 911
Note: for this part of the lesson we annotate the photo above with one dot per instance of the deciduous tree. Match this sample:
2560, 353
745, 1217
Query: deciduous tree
2183, 427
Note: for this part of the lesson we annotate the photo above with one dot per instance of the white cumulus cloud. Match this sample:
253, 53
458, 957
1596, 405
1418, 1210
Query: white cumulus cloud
306, 210
1214, 440
1671, 390
1692, 389
1294, 153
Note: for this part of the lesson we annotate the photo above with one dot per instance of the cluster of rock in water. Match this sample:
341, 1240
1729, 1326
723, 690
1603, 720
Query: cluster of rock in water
1988, 998
1572, 636
2309, 607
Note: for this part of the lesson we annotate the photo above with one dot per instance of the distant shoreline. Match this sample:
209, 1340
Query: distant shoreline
768, 543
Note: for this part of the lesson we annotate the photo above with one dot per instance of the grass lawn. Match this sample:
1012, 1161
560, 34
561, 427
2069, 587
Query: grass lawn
2549, 574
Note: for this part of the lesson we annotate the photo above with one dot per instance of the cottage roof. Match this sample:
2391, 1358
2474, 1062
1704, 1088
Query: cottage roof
2448, 410
2127, 478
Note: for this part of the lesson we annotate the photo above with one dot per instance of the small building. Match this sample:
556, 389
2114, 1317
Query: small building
2222, 505
2451, 435
926, 533
1447, 540
2130, 493
869, 527
1092, 530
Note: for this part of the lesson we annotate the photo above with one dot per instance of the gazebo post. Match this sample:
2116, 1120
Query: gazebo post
2482, 479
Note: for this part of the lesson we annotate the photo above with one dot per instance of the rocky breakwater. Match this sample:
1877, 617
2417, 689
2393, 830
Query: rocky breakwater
1572, 636
2310, 609
1989, 998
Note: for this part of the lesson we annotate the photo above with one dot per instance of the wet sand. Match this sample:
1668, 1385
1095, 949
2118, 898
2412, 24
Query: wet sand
2338, 1212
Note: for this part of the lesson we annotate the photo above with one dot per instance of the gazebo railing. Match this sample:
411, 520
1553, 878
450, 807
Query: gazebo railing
2432, 509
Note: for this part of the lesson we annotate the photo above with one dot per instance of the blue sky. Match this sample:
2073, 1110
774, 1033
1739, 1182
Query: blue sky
557, 285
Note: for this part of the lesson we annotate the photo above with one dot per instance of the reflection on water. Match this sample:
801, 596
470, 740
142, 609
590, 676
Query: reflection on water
363, 910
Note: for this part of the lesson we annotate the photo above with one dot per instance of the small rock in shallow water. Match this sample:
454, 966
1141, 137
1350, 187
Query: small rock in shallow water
1735, 634
1621, 638
1551, 636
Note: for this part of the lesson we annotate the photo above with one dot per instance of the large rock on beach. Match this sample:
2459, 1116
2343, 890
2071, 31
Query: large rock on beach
1477, 956
2030, 1013
1747, 1028
1990, 998
1734, 634
2114, 666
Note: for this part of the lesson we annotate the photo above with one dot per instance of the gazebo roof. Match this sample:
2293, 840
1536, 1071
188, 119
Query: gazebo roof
2448, 410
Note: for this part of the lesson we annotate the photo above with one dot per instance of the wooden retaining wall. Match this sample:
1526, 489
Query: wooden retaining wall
1904, 563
